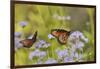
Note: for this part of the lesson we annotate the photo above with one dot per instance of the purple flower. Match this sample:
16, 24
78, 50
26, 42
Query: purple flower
17, 43
76, 40
72, 53
39, 62
76, 37
78, 56
68, 59
62, 53
85, 39
42, 41
23, 24
42, 44
80, 45
51, 60
50, 36
37, 53
17, 34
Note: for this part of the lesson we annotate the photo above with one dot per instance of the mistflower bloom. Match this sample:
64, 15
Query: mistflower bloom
42, 41
78, 56
50, 36
17, 43
23, 23
17, 34
80, 45
50, 61
42, 44
75, 40
85, 39
75, 55
46, 45
37, 53
39, 62
68, 59
76, 36
62, 53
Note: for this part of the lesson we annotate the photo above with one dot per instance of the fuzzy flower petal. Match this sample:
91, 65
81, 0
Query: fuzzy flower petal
68, 59
17, 34
23, 23
42, 44
50, 36
50, 61
37, 53
17, 43
62, 53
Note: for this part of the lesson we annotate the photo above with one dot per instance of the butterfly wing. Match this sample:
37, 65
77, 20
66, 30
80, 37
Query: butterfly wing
63, 38
27, 43
34, 37
55, 33
61, 35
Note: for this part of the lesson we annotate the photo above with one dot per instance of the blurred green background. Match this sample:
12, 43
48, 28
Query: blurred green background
43, 18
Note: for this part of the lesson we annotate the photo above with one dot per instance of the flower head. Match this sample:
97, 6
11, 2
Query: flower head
17, 43
51, 60
62, 53
76, 40
42, 44
23, 24
40, 62
37, 53
17, 34
77, 36
50, 36
78, 56
68, 59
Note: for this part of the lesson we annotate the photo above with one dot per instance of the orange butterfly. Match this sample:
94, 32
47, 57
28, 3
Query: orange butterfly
61, 35
29, 42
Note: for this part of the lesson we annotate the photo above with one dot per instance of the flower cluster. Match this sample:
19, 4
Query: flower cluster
77, 41
23, 23
17, 40
37, 53
42, 44
63, 56
50, 36
51, 60
62, 53
72, 53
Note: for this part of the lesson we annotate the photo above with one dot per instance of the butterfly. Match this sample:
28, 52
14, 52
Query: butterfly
29, 42
61, 35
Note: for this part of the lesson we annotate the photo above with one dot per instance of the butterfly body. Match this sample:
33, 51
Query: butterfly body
29, 42
61, 35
